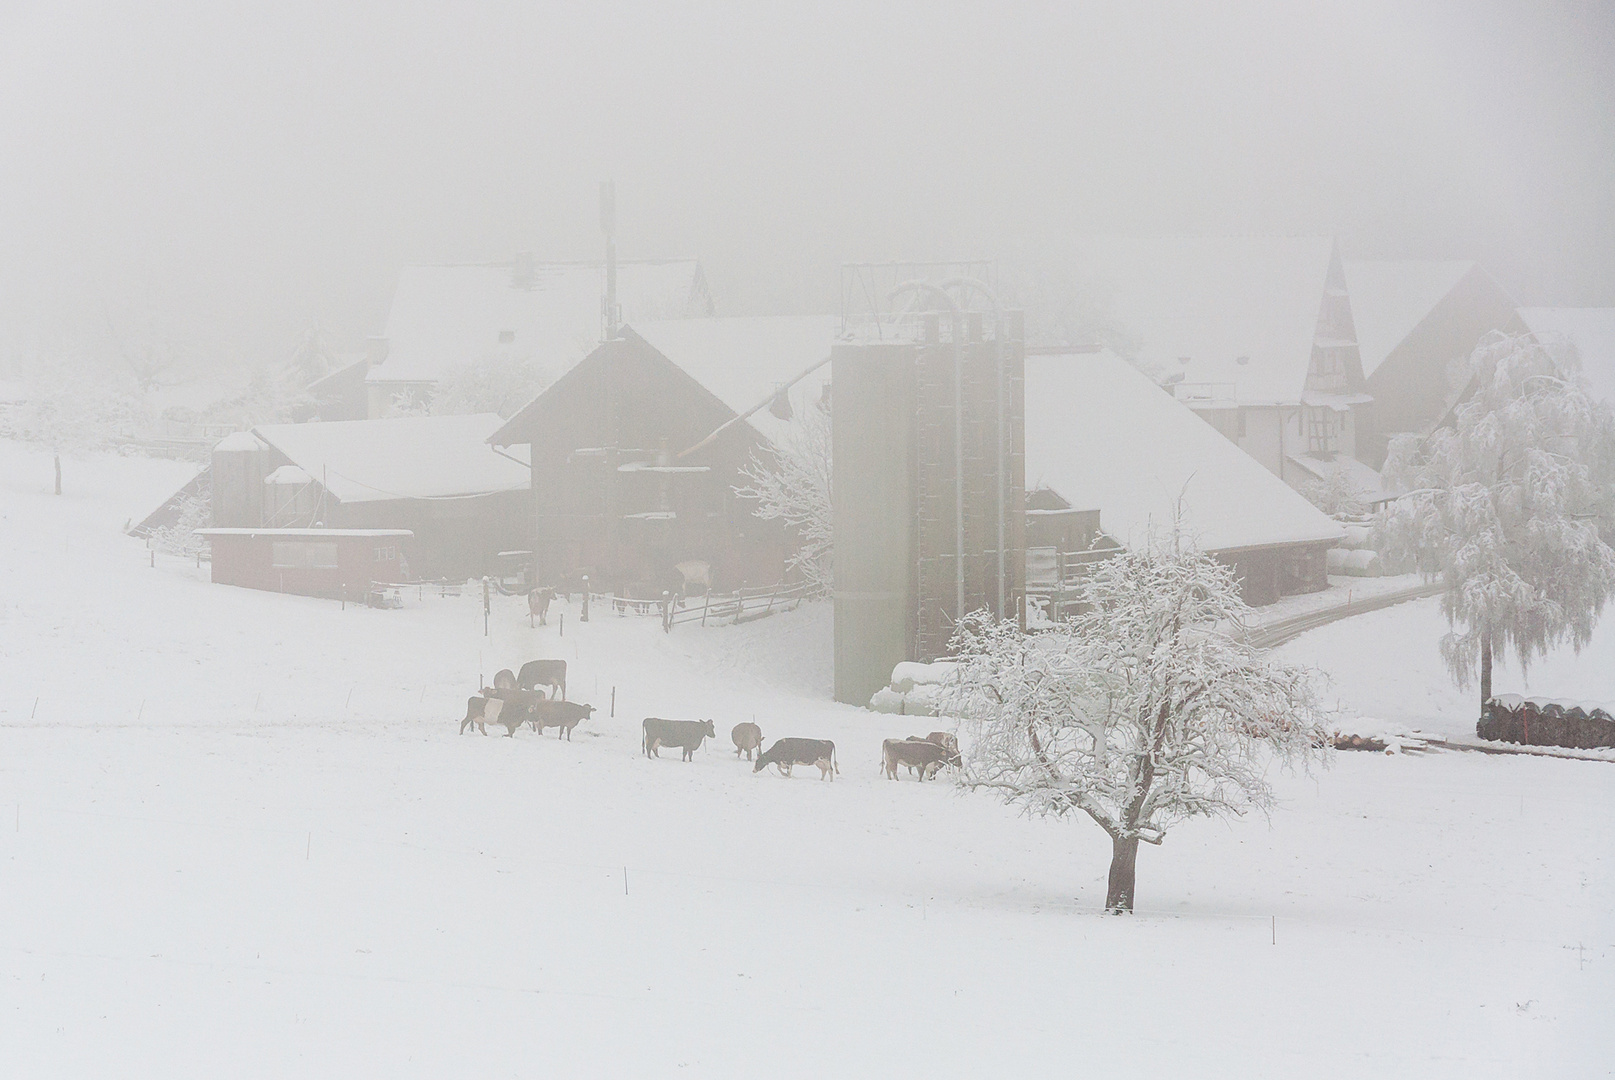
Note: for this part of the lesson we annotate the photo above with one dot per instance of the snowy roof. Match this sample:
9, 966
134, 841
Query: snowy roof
1390, 297
744, 361
238, 441
1244, 311
1103, 436
414, 457
304, 534
445, 316
289, 474
1593, 332
1364, 481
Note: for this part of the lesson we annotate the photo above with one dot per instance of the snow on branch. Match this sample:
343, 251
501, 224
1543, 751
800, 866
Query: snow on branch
791, 484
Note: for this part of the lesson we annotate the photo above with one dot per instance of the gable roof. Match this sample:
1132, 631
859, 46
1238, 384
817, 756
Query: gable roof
1592, 330
1391, 297
445, 316
412, 457
1105, 437
1243, 310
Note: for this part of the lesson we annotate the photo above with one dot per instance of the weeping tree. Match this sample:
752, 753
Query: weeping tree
790, 483
1148, 709
1510, 503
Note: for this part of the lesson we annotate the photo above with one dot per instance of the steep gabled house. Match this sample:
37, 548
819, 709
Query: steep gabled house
636, 450
445, 317
1255, 334
1417, 324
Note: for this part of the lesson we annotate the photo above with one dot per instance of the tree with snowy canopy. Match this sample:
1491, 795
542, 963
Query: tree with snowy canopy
791, 484
1507, 503
1147, 709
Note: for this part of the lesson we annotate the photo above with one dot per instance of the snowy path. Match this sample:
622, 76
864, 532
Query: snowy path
286, 861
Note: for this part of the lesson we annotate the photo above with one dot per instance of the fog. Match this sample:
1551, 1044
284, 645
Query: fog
238, 175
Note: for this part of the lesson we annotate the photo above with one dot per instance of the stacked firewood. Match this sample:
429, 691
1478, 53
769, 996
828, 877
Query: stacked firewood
1537, 721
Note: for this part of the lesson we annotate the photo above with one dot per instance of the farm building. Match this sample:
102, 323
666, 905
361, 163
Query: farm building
434, 476
1417, 324
637, 449
549, 314
1101, 438
1255, 334
333, 563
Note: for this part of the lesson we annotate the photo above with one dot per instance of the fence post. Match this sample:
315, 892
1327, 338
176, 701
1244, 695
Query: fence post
58, 474
667, 612
584, 615
706, 602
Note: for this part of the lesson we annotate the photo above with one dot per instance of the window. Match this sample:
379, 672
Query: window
303, 555
387, 553
1323, 430
506, 337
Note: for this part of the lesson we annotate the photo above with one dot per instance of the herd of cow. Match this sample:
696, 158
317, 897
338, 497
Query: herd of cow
516, 698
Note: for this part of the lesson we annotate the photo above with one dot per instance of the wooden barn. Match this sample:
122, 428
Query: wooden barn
636, 451
345, 564
1112, 459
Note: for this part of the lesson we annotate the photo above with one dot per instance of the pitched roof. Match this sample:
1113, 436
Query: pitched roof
444, 316
1390, 297
743, 361
1104, 437
1593, 332
413, 457
1240, 313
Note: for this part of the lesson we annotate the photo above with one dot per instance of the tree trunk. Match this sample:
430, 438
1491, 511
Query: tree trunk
1123, 870
1485, 671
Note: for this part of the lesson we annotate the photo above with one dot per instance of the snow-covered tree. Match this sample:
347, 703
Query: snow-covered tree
1334, 494
1147, 709
1506, 502
791, 484
497, 383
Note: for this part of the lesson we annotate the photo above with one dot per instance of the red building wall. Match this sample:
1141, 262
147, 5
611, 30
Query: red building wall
302, 562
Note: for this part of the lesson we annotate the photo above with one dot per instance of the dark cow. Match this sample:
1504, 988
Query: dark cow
519, 704
550, 673
558, 714
684, 734
748, 738
538, 602
944, 739
483, 710
921, 754
786, 753
505, 679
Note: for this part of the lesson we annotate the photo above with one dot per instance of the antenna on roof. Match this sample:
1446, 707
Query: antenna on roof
610, 314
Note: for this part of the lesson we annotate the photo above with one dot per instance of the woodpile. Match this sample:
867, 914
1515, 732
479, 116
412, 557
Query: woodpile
1536, 721
1359, 742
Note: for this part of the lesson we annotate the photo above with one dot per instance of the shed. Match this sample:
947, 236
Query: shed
334, 563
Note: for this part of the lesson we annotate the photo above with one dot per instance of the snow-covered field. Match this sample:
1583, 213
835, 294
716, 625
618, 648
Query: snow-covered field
247, 841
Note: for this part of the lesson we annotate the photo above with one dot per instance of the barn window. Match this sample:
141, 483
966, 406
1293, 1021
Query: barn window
1323, 430
386, 554
303, 555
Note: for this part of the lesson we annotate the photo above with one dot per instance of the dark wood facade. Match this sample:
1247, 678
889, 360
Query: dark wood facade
614, 495
332, 563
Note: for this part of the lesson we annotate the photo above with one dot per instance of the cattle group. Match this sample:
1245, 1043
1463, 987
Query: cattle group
536, 696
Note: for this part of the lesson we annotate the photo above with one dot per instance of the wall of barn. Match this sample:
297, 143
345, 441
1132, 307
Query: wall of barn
1268, 574
248, 562
454, 538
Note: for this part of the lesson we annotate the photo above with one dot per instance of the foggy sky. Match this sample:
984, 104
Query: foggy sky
243, 173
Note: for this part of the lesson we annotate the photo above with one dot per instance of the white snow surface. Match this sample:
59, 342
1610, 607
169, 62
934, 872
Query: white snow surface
248, 842
1593, 332
1103, 436
745, 360
412, 457
1391, 297
1212, 300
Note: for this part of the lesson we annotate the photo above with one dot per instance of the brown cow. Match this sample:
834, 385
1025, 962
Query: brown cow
564, 715
538, 602
921, 754
748, 738
505, 680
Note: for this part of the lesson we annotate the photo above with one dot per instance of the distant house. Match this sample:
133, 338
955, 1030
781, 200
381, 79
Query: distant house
1417, 324
1112, 459
434, 477
445, 317
1255, 334
1591, 331
636, 450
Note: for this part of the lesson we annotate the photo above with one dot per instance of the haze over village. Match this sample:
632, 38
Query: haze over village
729, 540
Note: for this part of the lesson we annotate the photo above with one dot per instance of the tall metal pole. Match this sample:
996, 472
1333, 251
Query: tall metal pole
608, 225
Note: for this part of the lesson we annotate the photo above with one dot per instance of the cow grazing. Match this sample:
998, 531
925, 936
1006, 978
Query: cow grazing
505, 680
947, 740
519, 704
550, 673
483, 710
748, 738
538, 603
918, 754
684, 734
787, 753
564, 715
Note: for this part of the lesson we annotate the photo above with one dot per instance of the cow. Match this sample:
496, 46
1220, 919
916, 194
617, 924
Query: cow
687, 735
483, 710
519, 704
505, 679
564, 715
786, 753
747, 737
947, 740
921, 754
550, 673
538, 603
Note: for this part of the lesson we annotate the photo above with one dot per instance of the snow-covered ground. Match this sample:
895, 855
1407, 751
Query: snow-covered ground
248, 841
